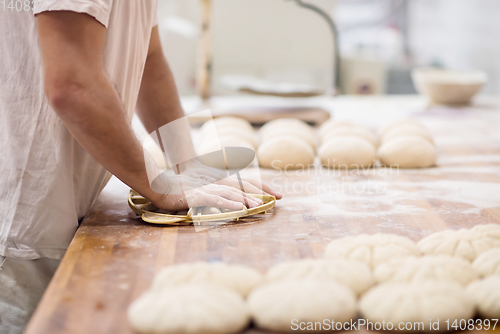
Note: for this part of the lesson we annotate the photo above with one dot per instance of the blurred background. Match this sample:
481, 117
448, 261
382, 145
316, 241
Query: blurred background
381, 41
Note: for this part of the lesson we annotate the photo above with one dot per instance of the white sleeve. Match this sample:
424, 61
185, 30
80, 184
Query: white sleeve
99, 9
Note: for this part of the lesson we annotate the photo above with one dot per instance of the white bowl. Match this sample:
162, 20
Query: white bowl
448, 86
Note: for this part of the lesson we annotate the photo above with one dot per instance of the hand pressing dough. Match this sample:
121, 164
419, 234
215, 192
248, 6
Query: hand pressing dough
274, 305
400, 122
307, 136
293, 124
333, 124
189, 309
350, 131
407, 130
408, 152
486, 295
488, 263
417, 302
347, 152
238, 278
417, 269
464, 243
354, 274
285, 152
371, 249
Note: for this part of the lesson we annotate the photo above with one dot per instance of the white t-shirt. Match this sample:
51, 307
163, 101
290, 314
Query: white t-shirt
47, 180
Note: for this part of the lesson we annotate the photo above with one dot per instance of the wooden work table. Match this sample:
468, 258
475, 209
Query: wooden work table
114, 255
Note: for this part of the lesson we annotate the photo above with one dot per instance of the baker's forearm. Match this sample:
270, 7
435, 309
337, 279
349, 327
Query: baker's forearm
93, 113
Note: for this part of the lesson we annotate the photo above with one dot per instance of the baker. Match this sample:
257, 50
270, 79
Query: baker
72, 75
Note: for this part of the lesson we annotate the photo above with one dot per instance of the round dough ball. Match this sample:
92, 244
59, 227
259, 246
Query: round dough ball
490, 230
239, 278
274, 305
249, 137
285, 152
238, 160
189, 309
227, 122
354, 274
486, 296
416, 269
350, 131
286, 123
333, 124
307, 136
223, 141
464, 243
488, 263
406, 130
408, 152
347, 152
400, 122
371, 249
417, 302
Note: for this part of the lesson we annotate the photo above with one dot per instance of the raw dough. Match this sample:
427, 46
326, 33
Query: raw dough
490, 230
350, 131
239, 158
247, 136
417, 302
347, 152
227, 122
398, 123
274, 305
189, 309
285, 152
413, 269
307, 136
239, 278
408, 152
223, 141
462, 243
406, 130
488, 263
371, 249
290, 123
486, 295
333, 124
354, 274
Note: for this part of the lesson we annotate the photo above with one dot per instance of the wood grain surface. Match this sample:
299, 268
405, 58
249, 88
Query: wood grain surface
114, 255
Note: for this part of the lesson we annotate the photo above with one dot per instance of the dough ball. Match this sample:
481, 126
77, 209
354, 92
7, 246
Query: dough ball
408, 152
237, 159
350, 131
417, 302
347, 152
488, 263
489, 230
307, 136
407, 130
290, 123
153, 149
464, 243
486, 296
274, 305
333, 124
285, 152
371, 249
415, 269
191, 308
398, 123
223, 141
227, 122
238, 278
354, 274
249, 137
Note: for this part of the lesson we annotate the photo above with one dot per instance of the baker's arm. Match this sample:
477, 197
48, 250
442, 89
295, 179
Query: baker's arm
159, 104
80, 92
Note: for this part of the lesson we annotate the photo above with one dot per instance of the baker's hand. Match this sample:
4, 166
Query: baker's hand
182, 192
197, 169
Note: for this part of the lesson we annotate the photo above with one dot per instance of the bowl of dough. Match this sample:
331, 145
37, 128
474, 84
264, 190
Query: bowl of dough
449, 87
